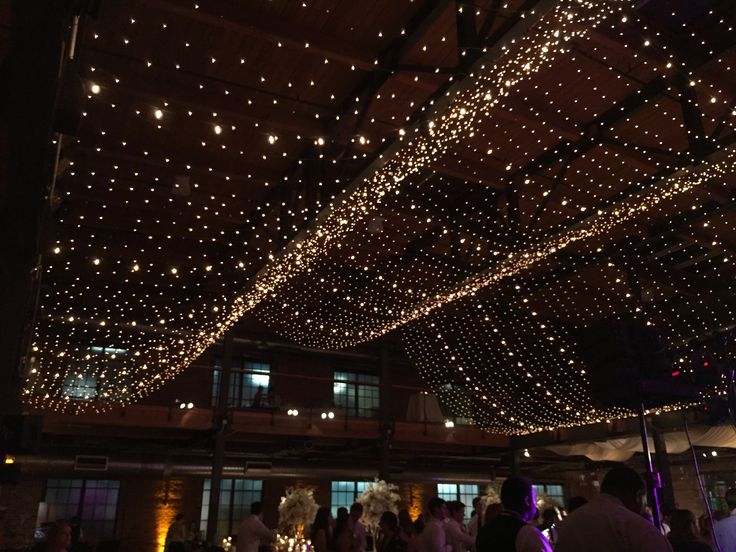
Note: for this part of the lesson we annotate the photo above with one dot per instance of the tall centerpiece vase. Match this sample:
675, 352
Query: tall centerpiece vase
370, 539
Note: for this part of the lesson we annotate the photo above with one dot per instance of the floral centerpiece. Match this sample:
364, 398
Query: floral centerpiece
491, 495
378, 497
297, 509
544, 501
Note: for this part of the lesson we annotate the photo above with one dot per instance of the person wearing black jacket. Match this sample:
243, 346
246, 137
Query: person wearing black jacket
510, 531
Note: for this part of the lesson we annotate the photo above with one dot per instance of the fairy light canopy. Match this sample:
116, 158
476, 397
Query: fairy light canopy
480, 177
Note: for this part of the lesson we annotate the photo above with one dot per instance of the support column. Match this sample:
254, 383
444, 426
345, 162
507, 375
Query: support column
219, 426
652, 480
667, 491
515, 463
385, 416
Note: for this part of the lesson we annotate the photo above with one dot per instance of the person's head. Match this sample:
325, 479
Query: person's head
731, 498
493, 510
405, 520
389, 523
437, 508
626, 485
575, 503
419, 524
550, 516
683, 526
478, 505
518, 495
323, 520
256, 508
456, 510
59, 536
343, 519
356, 511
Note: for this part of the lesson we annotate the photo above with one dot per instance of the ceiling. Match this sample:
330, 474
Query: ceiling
479, 178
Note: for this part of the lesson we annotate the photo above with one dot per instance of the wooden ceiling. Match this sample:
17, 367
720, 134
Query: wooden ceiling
214, 135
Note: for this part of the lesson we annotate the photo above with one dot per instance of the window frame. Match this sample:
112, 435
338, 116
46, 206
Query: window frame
461, 492
241, 388
362, 395
233, 520
357, 489
104, 527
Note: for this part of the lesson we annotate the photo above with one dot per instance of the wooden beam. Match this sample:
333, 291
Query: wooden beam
236, 17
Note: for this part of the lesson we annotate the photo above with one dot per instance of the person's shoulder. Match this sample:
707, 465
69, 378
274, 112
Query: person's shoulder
529, 537
729, 521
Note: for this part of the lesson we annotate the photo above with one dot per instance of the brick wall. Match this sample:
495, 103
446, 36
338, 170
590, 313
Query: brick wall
18, 512
147, 507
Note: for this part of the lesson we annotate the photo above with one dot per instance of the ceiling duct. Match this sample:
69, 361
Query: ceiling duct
90, 463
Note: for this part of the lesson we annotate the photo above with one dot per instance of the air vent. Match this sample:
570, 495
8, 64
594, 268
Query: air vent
253, 468
90, 463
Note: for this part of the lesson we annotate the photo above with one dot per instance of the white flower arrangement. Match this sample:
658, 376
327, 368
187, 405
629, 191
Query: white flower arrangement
297, 508
378, 497
491, 495
545, 501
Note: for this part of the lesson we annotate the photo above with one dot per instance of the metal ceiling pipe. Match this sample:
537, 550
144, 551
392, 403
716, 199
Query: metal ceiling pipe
44, 465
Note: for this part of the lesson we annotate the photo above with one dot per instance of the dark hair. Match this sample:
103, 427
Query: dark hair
405, 521
321, 521
419, 525
476, 501
434, 504
343, 522
455, 506
390, 520
256, 508
575, 503
514, 493
356, 507
551, 516
683, 527
622, 481
731, 498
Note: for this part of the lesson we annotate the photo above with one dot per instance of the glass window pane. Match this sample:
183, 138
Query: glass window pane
236, 496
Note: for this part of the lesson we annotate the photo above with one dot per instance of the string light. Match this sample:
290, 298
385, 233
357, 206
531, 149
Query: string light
477, 295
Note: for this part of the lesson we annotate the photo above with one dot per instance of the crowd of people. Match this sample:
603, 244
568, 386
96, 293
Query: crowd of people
616, 520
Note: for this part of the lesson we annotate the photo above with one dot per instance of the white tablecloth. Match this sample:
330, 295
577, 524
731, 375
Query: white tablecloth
424, 407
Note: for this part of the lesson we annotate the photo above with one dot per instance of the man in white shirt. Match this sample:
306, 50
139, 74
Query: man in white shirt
252, 532
455, 529
725, 529
613, 521
476, 522
434, 537
510, 531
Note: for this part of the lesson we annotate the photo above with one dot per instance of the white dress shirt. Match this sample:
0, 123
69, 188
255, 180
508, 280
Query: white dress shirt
606, 525
251, 532
434, 537
530, 539
473, 525
725, 531
458, 537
